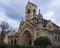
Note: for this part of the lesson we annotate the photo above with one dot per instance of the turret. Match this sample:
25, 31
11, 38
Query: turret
22, 22
39, 22
39, 17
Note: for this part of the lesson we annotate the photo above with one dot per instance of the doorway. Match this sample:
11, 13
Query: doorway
27, 40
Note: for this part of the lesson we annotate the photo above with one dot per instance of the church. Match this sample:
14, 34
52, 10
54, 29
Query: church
36, 26
33, 27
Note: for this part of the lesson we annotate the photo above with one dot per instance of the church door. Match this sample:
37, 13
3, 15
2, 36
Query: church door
27, 38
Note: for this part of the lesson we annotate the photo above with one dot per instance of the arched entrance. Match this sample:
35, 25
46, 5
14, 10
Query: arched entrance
15, 42
11, 42
27, 40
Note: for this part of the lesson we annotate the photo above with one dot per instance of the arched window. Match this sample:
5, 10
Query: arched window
28, 10
15, 42
34, 11
11, 42
55, 38
58, 38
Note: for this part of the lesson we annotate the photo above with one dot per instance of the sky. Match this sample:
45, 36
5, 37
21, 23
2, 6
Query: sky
12, 11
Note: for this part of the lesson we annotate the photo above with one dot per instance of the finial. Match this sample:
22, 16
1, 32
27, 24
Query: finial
39, 14
39, 10
21, 21
22, 18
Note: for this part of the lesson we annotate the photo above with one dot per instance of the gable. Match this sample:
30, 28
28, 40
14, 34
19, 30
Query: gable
27, 25
30, 5
50, 25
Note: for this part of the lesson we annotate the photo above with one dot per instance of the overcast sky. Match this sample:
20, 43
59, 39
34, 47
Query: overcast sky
12, 11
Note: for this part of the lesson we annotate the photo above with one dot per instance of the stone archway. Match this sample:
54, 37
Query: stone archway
15, 42
27, 38
11, 42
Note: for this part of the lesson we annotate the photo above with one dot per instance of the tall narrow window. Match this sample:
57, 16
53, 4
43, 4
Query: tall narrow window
58, 38
11, 42
34, 11
28, 10
55, 38
15, 42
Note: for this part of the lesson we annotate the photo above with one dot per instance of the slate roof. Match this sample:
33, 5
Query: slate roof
45, 23
55, 25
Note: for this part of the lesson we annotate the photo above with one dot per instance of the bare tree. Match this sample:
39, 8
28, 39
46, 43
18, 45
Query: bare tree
4, 26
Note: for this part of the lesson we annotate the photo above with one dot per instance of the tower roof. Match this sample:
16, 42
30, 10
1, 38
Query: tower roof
31, 3
21, 23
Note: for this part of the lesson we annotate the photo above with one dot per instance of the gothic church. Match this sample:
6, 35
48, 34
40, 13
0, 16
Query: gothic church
36, 26
33, 27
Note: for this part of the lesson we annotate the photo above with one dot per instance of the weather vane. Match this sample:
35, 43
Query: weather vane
39, 10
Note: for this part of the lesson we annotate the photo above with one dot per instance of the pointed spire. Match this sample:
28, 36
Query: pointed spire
40, 15
22, 21
39, 10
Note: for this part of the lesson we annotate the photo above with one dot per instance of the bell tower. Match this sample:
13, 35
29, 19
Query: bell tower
30, 10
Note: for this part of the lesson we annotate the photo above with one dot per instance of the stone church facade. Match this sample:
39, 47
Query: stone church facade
36, 26
33, 27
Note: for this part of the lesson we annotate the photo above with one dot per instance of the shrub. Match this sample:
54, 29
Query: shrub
42, 41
